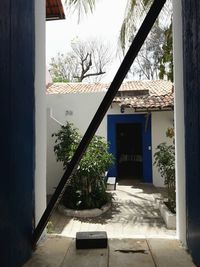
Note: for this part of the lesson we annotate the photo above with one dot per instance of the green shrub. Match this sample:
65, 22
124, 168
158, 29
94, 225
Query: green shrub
165, 161
87, 188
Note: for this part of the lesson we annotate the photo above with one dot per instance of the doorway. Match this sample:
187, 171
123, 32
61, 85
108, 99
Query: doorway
129, 151
129, 138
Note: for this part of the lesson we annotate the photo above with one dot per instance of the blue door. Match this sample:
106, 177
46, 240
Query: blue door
129, 137
191, 70
17, 140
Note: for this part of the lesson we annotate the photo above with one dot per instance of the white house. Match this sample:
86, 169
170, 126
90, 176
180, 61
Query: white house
23, 153
134, 125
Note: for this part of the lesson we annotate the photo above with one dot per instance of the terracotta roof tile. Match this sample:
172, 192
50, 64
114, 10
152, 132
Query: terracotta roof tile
54, 10
160, 93
147, 102
69, 88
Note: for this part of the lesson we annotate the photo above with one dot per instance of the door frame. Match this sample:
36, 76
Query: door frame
145, 120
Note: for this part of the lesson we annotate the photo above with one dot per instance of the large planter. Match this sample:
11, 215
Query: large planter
168, 217
84, 213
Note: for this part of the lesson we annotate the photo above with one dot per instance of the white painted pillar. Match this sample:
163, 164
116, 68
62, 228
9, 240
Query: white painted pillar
40, 109
179, 121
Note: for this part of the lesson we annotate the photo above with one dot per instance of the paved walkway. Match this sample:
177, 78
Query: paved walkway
133, 214
137, 235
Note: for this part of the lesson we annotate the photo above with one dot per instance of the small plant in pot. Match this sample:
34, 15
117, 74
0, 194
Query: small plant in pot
165, 161
86, 188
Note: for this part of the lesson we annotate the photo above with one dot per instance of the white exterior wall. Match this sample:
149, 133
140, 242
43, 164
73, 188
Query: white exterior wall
160, 122
179, 122
82, 106
54, 169
40, 111
80, 111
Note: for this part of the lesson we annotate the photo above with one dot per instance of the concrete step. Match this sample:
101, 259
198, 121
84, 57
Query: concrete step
169, 253
85, 257
129, 253
61, 252
50, 252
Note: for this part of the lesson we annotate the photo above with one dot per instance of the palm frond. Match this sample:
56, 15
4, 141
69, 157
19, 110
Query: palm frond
81, 7
134, 14
122, 37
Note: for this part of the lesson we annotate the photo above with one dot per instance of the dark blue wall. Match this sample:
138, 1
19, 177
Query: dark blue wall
17, 130
112, 121
191, 65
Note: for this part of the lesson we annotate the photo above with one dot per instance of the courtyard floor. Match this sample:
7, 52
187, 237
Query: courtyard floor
137, 235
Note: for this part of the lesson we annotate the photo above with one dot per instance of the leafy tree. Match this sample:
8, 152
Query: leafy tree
86, 188
166, 60
155, 59
87, 60
147, 63
62, 68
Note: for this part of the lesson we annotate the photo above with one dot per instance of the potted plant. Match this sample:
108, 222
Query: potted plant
164, 159
86, 188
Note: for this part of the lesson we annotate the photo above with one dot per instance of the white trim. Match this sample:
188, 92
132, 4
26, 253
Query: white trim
40, 110
179, 121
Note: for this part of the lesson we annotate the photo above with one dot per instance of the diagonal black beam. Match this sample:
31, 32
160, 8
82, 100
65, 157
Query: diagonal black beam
98, 117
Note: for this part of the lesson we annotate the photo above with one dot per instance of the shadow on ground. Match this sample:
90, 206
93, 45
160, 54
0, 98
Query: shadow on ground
133, 211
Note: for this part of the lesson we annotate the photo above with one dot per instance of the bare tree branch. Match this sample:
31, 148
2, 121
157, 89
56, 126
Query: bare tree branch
87, 59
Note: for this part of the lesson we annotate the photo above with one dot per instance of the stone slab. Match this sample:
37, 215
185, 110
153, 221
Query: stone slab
50, 252
85, 257
169, 253
129, 253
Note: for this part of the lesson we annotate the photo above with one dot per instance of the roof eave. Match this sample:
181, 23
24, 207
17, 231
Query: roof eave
54, 10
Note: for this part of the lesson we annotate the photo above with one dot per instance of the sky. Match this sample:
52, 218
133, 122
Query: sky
104, 23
